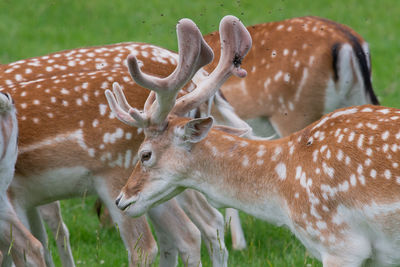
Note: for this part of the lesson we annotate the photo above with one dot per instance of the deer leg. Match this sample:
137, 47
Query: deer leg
177, 233
52, 216
39, 231
210, 223
25, 249
238, 239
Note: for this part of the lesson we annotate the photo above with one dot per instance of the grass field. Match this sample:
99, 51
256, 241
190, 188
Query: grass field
31, 28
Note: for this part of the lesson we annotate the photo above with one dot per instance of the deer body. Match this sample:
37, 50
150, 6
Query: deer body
298, 70
335, 184
86, 155
108, 61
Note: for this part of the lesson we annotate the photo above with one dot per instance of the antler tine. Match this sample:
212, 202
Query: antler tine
235, 43
132, 116
149, 101
194, 53
121, 99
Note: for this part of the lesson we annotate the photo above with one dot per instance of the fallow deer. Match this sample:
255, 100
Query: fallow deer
334, 184
90, 153
15, 238
299, 69
339, 53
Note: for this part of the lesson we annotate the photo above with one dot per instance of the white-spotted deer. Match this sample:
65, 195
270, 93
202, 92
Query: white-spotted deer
299, 69
15, 238
333, 53
335, 184
90, 153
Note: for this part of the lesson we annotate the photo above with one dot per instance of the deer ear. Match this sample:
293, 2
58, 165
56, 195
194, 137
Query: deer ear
197, 129
231, 130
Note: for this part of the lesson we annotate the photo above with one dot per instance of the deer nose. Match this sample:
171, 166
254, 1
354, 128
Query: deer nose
118, 199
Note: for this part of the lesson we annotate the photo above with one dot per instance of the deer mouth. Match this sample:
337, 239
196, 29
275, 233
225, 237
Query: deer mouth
124, 204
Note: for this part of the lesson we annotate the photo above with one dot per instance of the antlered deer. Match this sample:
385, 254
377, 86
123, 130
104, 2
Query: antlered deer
299, 69
89, 153
332, 55
15, 238
335, 184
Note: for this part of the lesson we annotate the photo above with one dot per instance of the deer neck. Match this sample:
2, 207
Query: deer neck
244, 174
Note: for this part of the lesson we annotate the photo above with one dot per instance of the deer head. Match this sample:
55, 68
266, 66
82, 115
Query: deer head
167, 133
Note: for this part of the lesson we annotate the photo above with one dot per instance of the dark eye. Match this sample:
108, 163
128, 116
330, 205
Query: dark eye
146, 155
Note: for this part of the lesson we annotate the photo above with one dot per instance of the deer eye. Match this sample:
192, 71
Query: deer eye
145, 156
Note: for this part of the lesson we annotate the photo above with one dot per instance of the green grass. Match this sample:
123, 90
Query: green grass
31, 28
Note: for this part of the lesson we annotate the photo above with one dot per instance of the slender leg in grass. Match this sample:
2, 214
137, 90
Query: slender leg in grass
210, 223
39, 231
17, 243
176, 235
238, 239
51, 214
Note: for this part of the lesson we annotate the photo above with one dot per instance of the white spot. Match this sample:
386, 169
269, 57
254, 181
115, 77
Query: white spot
245, 161
385, 148
311, 61
286, 77
36, 102
315, 155
48, 68
285, 52
278, 75
385, 135
261, 151
277, 152
339, 155
353, 180
298, 172
344, 186
128, 156
95, 123
360, 141
328, 170
373, 173
103, 109
281, 170
351, 136
344, 112
372, 126
18, 77
367, 162
384, 111
64, 91
387, 174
